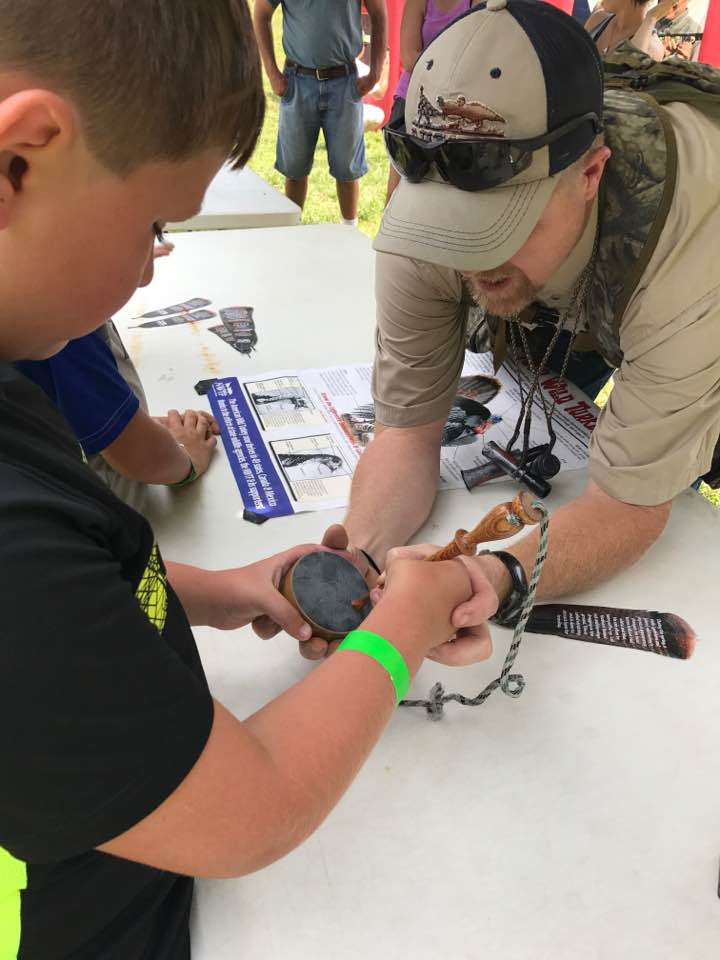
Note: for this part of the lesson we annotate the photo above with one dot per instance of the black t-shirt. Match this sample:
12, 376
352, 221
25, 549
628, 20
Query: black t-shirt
104, 707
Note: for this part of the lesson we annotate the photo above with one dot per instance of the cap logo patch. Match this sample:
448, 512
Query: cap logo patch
455, 117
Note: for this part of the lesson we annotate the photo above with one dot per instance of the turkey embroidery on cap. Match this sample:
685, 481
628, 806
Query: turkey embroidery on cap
456, 117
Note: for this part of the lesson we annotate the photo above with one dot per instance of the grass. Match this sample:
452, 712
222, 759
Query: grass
321, 205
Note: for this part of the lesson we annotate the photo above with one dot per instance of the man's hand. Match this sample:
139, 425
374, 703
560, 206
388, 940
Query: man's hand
196, 431
366, 83
279, 83
163, 249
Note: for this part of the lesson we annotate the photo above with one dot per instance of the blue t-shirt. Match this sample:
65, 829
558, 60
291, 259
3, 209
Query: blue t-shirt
84, 383
581, 10
321, 33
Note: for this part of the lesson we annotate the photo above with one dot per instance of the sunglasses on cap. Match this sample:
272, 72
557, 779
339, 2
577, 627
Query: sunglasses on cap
477, 164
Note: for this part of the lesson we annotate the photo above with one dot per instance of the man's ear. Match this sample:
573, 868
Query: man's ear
592, 171
32, 123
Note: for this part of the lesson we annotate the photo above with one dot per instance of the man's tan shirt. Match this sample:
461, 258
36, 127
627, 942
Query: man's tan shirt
657, 432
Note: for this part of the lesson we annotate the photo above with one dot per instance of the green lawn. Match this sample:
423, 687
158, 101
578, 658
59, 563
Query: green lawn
321, 205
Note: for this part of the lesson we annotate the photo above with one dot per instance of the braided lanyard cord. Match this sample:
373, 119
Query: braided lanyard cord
511, 684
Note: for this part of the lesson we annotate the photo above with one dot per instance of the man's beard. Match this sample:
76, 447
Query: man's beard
503, 292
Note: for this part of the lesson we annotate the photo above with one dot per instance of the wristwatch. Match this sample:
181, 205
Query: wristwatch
510, 609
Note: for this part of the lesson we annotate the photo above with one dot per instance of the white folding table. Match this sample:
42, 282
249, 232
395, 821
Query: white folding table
579, 822
238, 199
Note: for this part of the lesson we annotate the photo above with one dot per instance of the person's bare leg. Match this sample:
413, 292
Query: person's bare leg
296, 190
393, 181
348, 192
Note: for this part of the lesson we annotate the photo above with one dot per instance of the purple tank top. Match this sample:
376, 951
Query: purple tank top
434, 23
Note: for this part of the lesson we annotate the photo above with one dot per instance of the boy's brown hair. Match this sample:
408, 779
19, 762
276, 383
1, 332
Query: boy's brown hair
150, 79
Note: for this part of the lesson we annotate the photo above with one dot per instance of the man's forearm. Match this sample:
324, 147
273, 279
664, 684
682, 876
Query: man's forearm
591, 538
378, 42
393, 488
264, 38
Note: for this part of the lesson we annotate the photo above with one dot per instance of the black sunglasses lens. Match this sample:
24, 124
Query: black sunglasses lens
481, 165
408, 157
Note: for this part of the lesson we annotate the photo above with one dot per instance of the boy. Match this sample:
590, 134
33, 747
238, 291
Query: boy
94, 384
121, 777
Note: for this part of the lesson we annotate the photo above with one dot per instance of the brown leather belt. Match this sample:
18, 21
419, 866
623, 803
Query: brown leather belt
323, 73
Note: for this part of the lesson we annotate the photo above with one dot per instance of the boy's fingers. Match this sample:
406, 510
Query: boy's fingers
484, 602
174, 420
190, 419
417, 551
471, 647
315, 649
265, 628
211, 421
204, 428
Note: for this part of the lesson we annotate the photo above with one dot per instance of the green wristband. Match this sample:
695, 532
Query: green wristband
381, 650
191, 475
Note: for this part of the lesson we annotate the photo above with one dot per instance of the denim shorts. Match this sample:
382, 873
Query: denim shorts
311, 105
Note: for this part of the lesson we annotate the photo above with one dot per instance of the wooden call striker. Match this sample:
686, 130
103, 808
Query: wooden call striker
502, 521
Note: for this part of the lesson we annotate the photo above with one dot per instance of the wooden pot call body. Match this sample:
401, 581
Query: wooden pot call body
332, 596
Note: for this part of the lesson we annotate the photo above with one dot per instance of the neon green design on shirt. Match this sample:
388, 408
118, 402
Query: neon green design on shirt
151, 593
13, 879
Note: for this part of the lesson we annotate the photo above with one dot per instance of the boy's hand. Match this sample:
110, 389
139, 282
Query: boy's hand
472, 641
416, 608
251, 594
213, 425
195, 431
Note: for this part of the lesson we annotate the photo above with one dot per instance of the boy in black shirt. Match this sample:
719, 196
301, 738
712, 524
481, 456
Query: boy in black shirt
121, 777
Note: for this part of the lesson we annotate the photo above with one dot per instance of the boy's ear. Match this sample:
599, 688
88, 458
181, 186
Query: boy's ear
31, 121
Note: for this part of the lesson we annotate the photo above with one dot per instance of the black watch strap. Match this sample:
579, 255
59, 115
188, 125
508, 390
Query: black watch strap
370, 560
510, 609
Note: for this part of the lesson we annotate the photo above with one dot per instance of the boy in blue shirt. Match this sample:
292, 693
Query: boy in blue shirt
95, 386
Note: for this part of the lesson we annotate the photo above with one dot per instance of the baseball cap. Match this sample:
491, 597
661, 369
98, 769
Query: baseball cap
506, 70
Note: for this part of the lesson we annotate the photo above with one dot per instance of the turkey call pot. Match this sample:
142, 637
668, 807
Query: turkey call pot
324, 587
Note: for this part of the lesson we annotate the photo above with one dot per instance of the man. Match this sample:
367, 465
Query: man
639, 255
320, 89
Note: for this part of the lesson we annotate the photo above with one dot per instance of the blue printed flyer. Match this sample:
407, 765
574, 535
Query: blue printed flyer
293, 438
